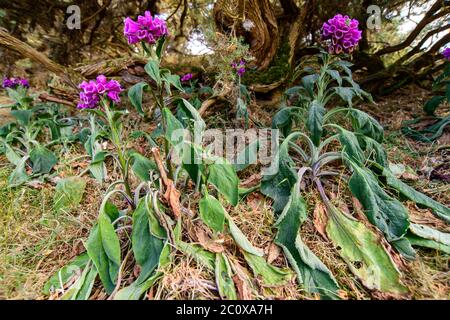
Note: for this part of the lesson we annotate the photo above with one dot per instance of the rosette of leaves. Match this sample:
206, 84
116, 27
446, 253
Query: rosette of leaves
29, 140
305, 161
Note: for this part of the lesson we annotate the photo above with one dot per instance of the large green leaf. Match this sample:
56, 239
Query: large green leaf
374, 150
432, 104
223, 176
142, 166
367, 125
424, 236
174, 131
224, 278
439, 209
283, 120
152, 69
68, 194
135, 94
383, 211
271, 275
278, 186
351, 146
212, 213
103, 247
146, 247
22, 116
19, 175
136, 290
365, 256
241, 239
43, 160
312, 273
66, 273
314, 123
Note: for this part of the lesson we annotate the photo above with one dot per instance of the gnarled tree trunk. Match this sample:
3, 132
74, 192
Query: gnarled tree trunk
256, 21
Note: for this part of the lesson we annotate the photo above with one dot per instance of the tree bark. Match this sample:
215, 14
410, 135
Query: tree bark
263, 37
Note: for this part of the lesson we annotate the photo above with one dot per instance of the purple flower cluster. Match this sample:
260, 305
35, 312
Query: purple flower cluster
94, 90
239, 67
13, 83
446, 54
187, 77
342, 33
147, 29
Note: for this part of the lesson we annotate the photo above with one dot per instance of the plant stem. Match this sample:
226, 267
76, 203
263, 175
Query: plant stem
117, 142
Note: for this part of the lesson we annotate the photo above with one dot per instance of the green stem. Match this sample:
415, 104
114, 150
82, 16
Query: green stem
117, 142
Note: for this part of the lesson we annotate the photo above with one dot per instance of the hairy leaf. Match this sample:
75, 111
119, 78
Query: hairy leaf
365, 256
312, 273
314, 123
383, 211
68, 193
146, 247
223, 176
439, 210
212, 213
224, 278
135, 94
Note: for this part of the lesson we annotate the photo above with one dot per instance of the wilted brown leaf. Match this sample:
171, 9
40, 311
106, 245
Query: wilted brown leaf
273, 253
207, 243
320, 220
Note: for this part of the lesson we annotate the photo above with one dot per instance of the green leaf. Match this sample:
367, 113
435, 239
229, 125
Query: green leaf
365, 256
335, 75
223, 176
174, 80
22, 116
212, 213
43, 160
314, 123
308, 82
224, 278
423, 236
66, 273
375, 150
346, 93
192, 113
312, 273
135, 94
439, 209
68, 194
19, 175
247, 157
135, 291
152, 69
431, 106
367, 125
272, 276
241, 239
147, 248
283, 120
383, 211
278, 186
351, 146
174, 128
103, 247
142, 166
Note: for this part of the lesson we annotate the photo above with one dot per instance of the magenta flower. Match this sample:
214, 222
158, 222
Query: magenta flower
187, 77
13, 83
239, 67
342, 34
146, 29
94, 90
446, 54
